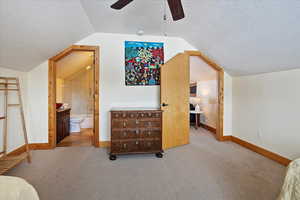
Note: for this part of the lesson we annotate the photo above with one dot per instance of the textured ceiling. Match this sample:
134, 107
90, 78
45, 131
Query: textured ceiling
32, 31
245, 37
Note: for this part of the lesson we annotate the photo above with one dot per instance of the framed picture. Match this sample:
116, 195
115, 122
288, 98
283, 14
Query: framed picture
193, 89
142, 63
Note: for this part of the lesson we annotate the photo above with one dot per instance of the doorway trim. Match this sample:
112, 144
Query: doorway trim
52, 92
220, 70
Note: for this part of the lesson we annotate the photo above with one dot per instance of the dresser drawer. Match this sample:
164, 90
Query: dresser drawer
124, 115
149, 123
151, 133
149, 115
125, 134
125, 146
150, 145
115, 147
126, 123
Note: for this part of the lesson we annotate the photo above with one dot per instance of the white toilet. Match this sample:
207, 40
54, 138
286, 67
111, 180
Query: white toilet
75, 124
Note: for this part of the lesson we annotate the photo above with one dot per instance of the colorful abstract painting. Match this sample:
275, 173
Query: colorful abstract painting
142, 62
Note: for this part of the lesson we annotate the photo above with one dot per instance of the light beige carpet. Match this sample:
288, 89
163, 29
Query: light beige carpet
203, 170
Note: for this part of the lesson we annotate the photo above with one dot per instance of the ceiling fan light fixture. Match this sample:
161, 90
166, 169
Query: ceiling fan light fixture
140, 32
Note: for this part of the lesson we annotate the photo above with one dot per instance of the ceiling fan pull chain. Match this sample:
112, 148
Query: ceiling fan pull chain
164, 25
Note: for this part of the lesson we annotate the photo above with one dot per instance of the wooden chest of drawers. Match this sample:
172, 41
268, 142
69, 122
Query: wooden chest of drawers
136, 131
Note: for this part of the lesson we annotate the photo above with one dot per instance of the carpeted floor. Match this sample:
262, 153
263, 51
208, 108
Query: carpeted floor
203, 170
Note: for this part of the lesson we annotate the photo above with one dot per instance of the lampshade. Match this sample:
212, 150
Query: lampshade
197, 100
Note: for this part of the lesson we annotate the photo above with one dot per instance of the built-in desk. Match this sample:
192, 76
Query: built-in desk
197, 114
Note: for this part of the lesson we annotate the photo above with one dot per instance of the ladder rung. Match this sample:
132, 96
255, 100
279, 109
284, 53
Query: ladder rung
8, 78
8, 89
2, 117
8, 83
10, 105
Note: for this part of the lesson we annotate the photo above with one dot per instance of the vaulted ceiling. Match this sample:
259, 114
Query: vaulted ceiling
245, 37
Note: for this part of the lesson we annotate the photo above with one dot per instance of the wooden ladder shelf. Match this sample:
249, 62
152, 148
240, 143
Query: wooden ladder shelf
7, 85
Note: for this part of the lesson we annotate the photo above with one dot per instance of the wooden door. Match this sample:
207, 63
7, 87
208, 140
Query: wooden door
175, 75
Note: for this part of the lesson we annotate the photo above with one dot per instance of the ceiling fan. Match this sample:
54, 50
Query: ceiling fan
175, 7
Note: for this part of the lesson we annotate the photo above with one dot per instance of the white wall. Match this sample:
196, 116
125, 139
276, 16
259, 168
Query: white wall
113, 91
208, 93
78, 92
15, 131
38, 103
266, 111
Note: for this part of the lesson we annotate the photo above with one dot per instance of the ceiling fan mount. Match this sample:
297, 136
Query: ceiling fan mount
174, 5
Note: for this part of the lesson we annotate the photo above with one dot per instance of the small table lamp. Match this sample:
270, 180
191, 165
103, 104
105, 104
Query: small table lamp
197, 102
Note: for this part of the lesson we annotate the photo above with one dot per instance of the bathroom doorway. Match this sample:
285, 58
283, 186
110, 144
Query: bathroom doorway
73, 97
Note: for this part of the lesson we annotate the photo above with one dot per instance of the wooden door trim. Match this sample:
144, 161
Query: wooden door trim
52, 92
220, 70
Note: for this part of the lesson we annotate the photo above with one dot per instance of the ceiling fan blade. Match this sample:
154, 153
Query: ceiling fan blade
176, 9
120, 4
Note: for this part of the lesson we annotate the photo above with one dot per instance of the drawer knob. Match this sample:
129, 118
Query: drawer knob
149, 114
142, 115
149, 133
124, 124
124, 115
137, 121
137, 142
125, 145
137, 131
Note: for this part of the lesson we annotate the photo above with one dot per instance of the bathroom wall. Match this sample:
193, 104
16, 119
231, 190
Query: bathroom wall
78, 91
59, 90
74, 83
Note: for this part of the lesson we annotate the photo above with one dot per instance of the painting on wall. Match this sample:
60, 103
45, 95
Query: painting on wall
142, 62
